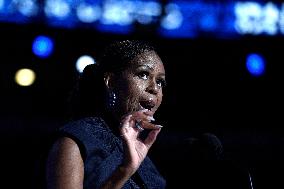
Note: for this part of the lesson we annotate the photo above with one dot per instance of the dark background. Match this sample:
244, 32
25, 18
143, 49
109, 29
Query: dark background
209, 90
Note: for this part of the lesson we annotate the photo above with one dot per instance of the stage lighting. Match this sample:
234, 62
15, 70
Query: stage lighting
25, 77
83, 61
173, 18
117, 13
255, 18
88, 13
27, 7
42, 46
1, 4
57, 8
147, 12
255, 64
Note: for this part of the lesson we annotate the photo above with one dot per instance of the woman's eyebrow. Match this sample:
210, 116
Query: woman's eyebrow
143, 65
161, 74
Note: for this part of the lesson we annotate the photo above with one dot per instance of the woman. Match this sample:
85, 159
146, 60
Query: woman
107, 146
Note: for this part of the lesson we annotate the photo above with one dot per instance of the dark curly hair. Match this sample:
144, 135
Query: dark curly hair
89, 95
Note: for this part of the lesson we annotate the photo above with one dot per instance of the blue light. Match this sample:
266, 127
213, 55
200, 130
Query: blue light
255, 64
255, 18
57, 8
42, 46
209, 22
2, 4
173, 18
117, 13
88, 13
27, 8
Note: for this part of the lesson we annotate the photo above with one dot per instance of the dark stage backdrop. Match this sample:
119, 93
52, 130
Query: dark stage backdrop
209, 91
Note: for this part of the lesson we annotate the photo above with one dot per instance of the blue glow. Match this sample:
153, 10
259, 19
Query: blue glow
118, 13
210, 16
61, 13
2, 4
125, 13
26, 7
173, 19
42, 46
88, 13
271, 19
148, 8
15, 11
176, 18
281, 20
178, 21
184, 19
227, 23
57, 8
254, 18
255, 64
115, 28
143, 19
209, 22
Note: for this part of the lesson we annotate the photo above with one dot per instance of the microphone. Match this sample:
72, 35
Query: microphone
205, 147
212, 149
203, 159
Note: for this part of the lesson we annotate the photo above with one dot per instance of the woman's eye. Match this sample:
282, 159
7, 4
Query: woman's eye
143, 75
161, 83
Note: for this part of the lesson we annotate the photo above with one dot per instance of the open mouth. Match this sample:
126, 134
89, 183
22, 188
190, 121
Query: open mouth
149, 105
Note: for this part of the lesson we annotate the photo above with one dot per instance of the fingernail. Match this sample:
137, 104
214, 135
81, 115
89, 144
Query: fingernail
144, 110
150, 118
159, 126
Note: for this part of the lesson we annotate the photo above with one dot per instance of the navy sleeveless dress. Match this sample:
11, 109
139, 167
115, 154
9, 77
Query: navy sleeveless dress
102, 153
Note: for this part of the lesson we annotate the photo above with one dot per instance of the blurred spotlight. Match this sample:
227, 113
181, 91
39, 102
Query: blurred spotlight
147, 11
281, 19
2, 4
57, 8
255, 18
88, 13
42, 46
209, 21
26, 7
83, 61
173, 18
25, 77
272, 18
116, 12
255, 64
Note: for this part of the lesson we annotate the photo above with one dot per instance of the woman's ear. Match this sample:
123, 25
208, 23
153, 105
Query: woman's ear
108, 79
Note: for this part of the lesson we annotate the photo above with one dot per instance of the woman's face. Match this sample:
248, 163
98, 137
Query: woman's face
140, 86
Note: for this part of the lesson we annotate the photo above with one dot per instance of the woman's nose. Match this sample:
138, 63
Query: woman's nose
152, 88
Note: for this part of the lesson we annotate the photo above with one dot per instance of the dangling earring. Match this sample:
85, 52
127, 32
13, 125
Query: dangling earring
111, 99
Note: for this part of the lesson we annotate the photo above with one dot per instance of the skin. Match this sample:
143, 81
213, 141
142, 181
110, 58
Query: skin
141, 82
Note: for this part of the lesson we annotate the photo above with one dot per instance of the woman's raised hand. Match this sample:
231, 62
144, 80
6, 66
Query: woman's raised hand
136, 149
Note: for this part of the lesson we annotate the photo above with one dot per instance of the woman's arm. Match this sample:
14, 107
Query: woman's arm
65, 167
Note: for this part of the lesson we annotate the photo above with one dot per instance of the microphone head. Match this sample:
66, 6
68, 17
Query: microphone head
205, 147
212, 147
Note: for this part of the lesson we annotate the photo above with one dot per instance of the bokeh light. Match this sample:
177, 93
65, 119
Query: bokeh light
25, 77
42, 46
83, 61
255, 64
